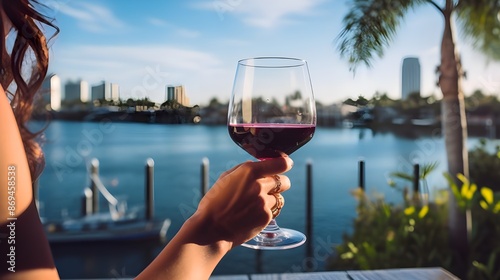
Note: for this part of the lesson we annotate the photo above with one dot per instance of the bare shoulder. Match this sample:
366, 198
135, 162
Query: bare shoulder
13, 159
10, 138
21, 213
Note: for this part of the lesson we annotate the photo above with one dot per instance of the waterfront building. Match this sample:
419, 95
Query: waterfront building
178, 94
410, 77
106, 91
51, 93
76, 91
170, 92
115, 92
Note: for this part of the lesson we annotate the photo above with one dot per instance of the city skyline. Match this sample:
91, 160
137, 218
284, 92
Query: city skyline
55, 93
143, 46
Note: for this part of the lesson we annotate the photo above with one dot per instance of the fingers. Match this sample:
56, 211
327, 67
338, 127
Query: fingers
231, 170
272, 166
274, 204
280, 202
277, 184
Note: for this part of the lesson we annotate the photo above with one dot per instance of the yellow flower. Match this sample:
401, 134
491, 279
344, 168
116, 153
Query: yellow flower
463, 179
497, 208
423, 211
483, 204
410, 210
353, 247
487, 194
468, 191
347, 255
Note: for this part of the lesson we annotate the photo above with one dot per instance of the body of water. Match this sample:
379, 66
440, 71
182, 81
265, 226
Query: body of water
123, 148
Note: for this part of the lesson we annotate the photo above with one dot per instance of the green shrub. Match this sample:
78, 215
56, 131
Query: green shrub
484, 166
415, 234
483, 208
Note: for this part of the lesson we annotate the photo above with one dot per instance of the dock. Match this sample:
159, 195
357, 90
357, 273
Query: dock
386, 274
432, 273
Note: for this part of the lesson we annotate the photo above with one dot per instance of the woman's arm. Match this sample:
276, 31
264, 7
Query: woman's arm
23, 245
235, 209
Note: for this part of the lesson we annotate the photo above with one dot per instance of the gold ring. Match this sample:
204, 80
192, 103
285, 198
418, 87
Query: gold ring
280, 202
277, 188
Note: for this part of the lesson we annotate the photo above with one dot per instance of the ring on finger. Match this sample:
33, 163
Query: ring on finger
280, 202
277, 188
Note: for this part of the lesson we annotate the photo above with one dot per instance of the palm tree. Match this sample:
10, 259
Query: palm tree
371, 25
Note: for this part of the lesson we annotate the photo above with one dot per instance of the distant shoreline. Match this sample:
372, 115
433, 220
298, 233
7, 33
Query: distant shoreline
158, 116
407, 130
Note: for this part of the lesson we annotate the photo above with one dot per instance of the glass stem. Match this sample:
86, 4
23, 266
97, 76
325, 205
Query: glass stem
271, 232
272, 226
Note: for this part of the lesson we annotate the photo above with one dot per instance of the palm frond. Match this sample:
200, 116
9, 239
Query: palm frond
369, 27
427, 169
479, 22
402, 175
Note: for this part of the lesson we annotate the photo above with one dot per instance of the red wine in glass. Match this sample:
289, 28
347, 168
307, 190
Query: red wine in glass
268, 140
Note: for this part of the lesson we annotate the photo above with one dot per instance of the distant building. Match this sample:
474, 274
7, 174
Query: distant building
115, 92
107, 91
178, 94
99, 91
51, 93
76, 91
410, 77
170, 92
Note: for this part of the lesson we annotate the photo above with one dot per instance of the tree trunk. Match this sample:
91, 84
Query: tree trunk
455, 131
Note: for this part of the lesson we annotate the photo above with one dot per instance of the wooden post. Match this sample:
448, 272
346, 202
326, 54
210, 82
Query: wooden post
87, 201
258, 261
149, 194
205, 166
309, 211
94, 171
361, 175
416, 178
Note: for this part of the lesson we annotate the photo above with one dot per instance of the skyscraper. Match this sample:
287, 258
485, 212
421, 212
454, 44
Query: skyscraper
410, 77
178, 94
99, 92
51, 93
170, 93
76, 91
107, 91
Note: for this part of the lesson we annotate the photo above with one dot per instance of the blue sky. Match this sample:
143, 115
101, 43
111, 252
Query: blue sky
145, 45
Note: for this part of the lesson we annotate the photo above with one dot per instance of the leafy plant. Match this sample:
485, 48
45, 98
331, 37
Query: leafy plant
423, 188
482, 162
388, 236
415, 234
483, 206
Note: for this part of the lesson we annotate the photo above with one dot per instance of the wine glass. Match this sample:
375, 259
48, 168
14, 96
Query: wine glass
272, 111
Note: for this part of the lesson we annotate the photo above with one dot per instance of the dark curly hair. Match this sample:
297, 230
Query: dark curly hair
24, 67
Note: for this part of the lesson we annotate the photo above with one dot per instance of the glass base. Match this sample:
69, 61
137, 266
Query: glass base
276, 238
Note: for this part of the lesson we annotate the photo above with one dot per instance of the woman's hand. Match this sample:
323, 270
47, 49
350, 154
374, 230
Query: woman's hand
236, 208
239, 204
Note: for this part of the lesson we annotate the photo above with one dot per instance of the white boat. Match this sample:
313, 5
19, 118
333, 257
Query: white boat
117, 224
103, 227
